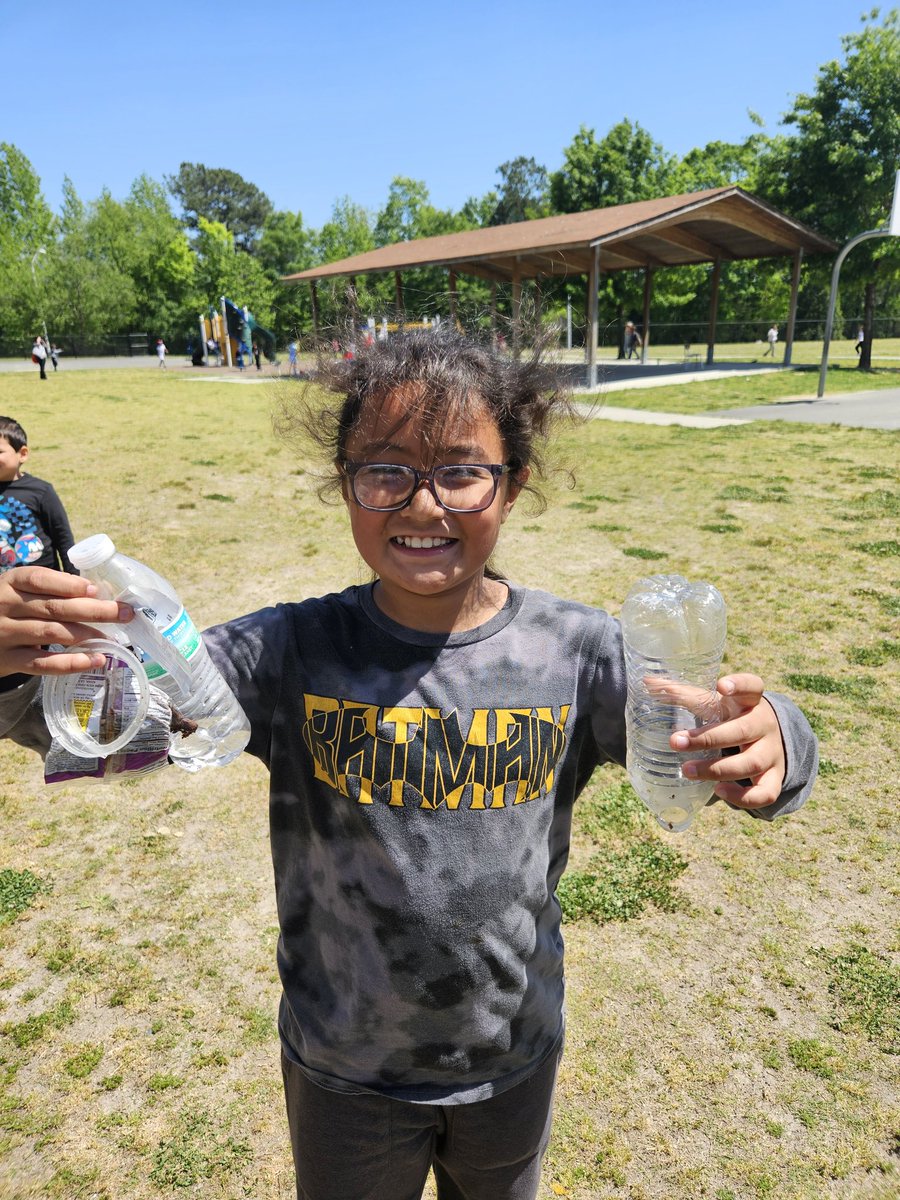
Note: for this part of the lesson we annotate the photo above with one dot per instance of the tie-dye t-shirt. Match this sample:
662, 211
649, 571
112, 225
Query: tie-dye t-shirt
420, 805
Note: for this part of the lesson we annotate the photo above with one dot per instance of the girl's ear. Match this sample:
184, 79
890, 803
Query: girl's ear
512, 491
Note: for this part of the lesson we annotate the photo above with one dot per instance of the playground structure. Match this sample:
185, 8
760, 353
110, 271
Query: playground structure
234, 330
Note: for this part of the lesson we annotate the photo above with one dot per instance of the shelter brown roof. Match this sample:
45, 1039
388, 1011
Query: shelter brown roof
697, 227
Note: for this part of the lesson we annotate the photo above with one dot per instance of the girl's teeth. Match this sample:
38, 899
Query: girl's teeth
422, 543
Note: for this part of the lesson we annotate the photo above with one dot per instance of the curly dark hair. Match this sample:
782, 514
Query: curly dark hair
439, 374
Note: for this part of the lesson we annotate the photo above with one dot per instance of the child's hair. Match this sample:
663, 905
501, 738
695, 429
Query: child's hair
439, 374
13, 432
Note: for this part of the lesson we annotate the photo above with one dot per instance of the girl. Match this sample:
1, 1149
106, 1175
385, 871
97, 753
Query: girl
426, 735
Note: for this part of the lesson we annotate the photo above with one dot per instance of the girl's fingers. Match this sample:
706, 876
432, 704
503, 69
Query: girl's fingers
762, 792
45, 662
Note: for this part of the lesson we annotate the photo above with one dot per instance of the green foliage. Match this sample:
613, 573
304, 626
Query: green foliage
524, 192
222, 270
18, 890
809, 1054
619, 886
80, 1065
867, 988
627, 165
885, 549
857, 687
221, 196
196, 1151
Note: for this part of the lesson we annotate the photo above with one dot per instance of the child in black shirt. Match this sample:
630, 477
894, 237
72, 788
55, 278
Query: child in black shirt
34, 528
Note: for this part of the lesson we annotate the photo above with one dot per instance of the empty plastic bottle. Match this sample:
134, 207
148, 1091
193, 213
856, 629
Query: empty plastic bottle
673, 630
173, 654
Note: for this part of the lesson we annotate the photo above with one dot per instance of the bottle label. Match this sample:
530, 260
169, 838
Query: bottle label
183, 635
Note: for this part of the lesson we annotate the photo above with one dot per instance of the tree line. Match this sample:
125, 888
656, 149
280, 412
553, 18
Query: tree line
155, 260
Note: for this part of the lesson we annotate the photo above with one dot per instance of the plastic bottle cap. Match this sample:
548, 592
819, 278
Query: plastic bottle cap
91, 552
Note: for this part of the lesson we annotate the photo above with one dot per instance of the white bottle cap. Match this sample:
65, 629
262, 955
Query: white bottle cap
91, 552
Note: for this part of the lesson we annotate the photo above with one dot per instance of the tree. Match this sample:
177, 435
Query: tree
836, 171
627, 165
221, 195
26, 226
222, 270
285, 247
524, 192
89, 291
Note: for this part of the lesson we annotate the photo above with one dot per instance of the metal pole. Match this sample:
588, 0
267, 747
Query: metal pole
792, 310
203, 340
227, 335
648, 289
832, 299
713, 312
593, 329
568, 322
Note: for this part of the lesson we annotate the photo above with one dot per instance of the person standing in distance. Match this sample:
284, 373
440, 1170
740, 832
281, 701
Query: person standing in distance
39, 355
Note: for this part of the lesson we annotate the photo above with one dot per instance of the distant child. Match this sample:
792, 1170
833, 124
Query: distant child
55, 352
772, 339
39, 356
34, 528
292, 357
427, 735
161, 352
860, 340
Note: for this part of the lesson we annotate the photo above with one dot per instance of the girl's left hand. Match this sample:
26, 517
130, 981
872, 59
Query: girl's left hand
748, 722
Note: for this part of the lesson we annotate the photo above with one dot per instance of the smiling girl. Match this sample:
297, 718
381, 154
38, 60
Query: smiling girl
427, 735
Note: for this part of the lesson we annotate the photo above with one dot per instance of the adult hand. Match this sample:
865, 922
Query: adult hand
39, 608
748, 723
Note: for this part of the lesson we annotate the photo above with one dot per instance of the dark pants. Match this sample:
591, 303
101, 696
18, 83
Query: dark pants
42, 363
365, 1147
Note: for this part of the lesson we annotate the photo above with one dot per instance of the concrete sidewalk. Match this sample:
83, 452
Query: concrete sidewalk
862, 410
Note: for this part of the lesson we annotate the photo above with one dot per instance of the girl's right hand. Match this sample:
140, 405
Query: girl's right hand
40, 607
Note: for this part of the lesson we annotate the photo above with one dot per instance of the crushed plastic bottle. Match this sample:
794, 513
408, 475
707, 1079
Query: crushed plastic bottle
99, 711
673, 630
172, 652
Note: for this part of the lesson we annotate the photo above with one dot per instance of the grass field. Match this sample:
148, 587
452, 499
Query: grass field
734, 992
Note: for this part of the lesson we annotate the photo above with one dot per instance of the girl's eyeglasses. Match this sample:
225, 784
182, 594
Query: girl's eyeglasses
387, 487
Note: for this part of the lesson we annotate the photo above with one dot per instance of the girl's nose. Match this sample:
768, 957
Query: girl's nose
424, 503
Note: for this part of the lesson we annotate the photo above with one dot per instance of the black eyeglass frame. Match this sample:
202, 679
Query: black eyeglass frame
497, 470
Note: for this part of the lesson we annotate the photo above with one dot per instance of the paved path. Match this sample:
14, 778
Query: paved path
868, 410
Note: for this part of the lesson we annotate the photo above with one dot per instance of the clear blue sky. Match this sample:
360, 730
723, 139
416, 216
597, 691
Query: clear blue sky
315, 101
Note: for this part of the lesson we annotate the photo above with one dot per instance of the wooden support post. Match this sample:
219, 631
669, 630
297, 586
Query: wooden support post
792, 310
538, 306
494, 313
398, 296
593, 323
713, 312
314, 300
453, 296
645, 331
516, 311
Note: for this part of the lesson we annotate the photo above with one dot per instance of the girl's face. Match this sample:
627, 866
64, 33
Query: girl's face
429, 561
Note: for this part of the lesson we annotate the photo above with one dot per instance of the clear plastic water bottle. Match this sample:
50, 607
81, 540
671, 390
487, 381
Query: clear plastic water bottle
673, 630
173, 654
